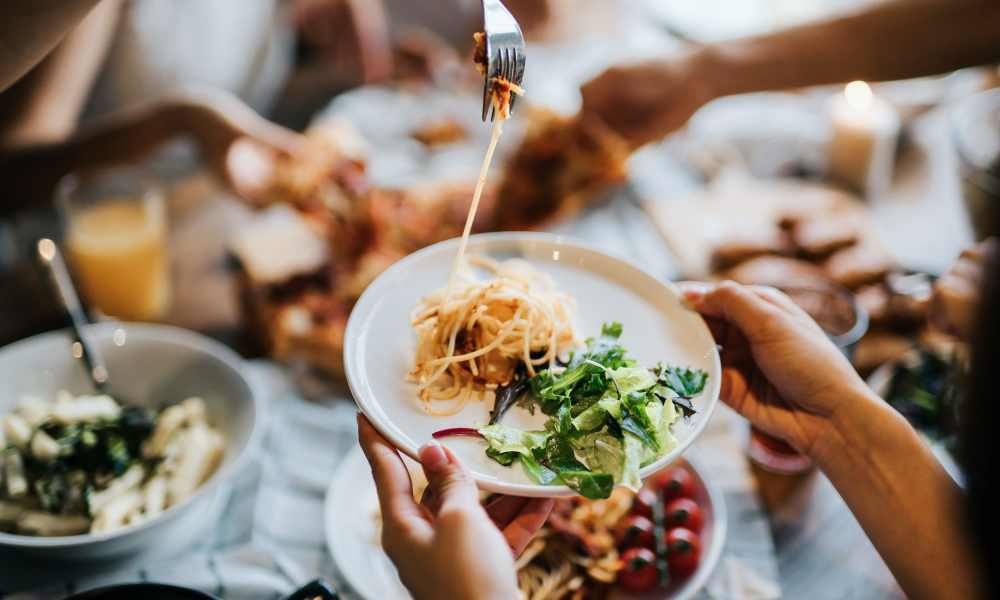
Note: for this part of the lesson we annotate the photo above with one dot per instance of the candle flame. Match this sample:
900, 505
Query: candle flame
858, 94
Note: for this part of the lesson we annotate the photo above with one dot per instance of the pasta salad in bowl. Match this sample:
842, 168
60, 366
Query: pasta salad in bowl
86, 464
90, 476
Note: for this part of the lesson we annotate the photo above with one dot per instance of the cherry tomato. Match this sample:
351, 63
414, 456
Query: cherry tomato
643, 502
675, 482
684, 512
639, 574
634, 531
683, 551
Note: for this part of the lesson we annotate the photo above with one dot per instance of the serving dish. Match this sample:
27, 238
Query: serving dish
151, 365
380, 344
352, 534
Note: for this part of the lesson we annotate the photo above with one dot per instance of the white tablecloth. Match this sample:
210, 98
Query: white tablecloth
265, 533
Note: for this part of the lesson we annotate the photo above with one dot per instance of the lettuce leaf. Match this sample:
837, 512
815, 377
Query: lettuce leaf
595, 486
537, 471
503, 439
633, 460
632, 379
602, 452
608, 418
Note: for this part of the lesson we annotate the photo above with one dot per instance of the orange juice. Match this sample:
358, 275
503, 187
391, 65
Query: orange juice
118, 252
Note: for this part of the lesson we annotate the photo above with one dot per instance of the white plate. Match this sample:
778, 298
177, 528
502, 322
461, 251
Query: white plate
379, 346
352, 533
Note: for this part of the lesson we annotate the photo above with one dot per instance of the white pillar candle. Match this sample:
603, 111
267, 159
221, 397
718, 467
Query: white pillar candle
863, 147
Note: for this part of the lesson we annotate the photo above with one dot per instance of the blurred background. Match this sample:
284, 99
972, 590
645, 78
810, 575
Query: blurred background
243, 168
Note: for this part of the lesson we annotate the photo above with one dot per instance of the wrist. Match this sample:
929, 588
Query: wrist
860, 420
703, 69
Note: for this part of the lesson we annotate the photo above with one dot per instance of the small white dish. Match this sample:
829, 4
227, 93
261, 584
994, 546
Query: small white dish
379, 345
353, 531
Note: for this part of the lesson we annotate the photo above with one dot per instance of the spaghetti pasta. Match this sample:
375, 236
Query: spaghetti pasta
474, 335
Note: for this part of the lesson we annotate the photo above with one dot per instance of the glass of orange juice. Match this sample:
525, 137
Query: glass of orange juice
115, 235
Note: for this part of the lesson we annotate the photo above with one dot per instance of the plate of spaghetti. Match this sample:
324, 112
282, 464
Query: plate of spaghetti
588, 548
550, 368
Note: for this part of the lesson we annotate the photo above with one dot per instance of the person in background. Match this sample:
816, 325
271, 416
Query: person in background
174, 84
30, 29
955, 303
892, 39
136, 75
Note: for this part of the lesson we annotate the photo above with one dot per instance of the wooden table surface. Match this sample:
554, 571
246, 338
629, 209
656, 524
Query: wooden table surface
822, 552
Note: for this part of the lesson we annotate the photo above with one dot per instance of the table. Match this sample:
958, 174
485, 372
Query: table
821, 550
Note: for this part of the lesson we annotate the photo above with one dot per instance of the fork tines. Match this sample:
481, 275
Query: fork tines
508, 64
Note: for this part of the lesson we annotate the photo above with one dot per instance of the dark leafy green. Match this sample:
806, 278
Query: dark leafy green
927, 391
685, 382
504, 458
603, 410
508, 395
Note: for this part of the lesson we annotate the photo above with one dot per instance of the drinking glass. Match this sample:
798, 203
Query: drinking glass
115, 236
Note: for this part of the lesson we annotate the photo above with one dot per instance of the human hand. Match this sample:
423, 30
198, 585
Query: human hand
779, 369
352, 34
241, 147
646, 101
955, 302
448, 545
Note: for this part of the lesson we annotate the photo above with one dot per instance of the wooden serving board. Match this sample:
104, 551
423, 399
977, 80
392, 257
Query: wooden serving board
737, 206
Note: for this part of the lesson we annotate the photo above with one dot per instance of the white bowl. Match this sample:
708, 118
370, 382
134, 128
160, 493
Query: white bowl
151, 365
352, 534
379, 345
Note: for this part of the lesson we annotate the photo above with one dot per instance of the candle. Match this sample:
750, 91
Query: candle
863, 146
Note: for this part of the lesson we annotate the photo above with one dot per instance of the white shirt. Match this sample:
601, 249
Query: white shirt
243, 46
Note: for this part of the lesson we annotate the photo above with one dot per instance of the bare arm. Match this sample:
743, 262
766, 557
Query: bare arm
217, 121
45, 104
783, 374
910, 508
30, 29
32, 170
890, 39
896, 39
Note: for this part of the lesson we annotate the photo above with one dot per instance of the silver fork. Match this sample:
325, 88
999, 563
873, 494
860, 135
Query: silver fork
504, 51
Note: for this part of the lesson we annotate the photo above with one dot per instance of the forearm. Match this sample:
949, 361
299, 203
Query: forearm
29, 29
911, 509
31, 172
893, 39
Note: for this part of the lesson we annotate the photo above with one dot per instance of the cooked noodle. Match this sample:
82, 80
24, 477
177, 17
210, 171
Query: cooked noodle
473, 334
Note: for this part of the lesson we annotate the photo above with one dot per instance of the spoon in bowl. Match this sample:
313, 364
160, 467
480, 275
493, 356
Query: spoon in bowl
50, 257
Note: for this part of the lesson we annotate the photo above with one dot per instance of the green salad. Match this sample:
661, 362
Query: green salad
608, 417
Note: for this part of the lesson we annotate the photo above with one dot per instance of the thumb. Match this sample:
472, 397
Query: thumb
448, 483
250, 169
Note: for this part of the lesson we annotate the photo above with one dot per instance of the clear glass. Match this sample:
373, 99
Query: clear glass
115, 238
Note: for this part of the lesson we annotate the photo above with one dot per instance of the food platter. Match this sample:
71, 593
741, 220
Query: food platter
352, 534
380, 345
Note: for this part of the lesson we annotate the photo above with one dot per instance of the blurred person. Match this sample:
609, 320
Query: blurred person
30, 29
117, 87
955, 302
887, 40
138, 80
